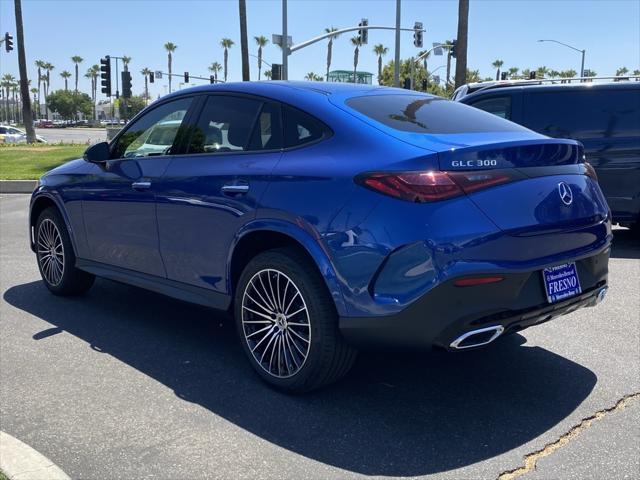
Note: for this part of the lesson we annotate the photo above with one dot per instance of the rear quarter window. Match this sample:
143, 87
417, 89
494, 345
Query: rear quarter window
499, 106
428, 114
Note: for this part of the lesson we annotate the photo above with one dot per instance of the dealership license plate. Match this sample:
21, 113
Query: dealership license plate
561, 282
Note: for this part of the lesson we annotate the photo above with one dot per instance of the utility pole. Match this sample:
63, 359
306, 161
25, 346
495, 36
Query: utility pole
285, 43
396, 66
461, 43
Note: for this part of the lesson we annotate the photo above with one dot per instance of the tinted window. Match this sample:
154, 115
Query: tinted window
154, 133
428, 114
3, 130
300, 128
225, 125
267, 134
584, 114
499, 106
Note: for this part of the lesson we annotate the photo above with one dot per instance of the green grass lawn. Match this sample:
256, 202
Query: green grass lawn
29, 162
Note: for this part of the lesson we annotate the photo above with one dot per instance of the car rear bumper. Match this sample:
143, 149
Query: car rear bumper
448, 312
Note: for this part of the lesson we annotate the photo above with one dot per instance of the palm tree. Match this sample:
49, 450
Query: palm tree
497, 65
145, 71
380, 50
34, 91
94, 72
125, 62
330, 47
226, 43
66, 75
40, 64
261, 41
244, 44
461, 46
267, 74
636, 73
541, 72
7, 82
170, 48
513, 71
310, 76
357, 42
554, 73
215, 68
448, 42
48, 67
622, 71
77, 60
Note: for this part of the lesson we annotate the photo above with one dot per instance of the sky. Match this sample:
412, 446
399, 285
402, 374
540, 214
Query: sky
55, 30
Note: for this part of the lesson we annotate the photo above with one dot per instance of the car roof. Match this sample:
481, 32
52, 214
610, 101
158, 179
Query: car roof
479, 89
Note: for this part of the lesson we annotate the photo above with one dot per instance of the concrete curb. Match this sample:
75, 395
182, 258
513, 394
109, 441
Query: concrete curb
19, 461
17, 186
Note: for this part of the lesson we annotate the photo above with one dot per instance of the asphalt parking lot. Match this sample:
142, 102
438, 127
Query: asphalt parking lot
124, 383
73, 135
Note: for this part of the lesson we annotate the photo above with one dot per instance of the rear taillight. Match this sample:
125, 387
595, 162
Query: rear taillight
420, 187
589, 171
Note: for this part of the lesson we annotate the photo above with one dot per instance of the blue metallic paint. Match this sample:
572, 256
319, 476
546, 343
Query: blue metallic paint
376, 253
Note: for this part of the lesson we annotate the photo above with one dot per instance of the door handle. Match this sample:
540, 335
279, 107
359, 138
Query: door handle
141, 185
237, 189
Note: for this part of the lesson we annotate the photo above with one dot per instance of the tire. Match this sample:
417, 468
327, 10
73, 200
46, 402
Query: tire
55, 256
302, 350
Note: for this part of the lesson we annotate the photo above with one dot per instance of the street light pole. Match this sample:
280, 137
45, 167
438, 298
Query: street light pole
396, 66
285, 43
572, 48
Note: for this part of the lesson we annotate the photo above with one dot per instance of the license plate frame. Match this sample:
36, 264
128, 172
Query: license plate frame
561, 282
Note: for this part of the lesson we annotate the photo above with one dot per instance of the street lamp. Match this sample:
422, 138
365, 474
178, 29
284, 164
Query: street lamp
572, 48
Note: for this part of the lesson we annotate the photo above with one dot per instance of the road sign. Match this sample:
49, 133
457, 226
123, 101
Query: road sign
276, 39
437, 49
158, 74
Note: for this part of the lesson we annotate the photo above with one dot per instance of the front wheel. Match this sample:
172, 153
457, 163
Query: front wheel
288, 324
56, 259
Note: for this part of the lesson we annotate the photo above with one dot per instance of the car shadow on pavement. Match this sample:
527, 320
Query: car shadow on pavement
395, 414
626, 244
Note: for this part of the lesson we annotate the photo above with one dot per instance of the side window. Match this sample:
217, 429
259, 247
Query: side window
267, 134
154, 133
500, 106
225, 125
3, 131
300, 128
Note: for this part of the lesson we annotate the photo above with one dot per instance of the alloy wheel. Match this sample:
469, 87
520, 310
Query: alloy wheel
275, 323
50, 252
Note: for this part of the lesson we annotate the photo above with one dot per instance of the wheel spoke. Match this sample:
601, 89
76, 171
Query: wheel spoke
264, 289
255, 289
268, 310
262, 340
299, 336
303, 309
291, 301
257, 313
268, 327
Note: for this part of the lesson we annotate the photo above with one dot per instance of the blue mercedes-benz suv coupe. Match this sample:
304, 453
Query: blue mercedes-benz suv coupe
331, 217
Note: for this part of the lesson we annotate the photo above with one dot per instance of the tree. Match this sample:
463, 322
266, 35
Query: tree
513, 72
34, 91
93, 72
541, 72
7, 83
226, 43
215, 68
448, 42
380, 50
170, 48
244, 44
419, 76
267, 74
554, 73
129, 107
622, 71
261, 41
125, 62
497, 65
47, 83
66, 75
461, 45
145, 71
356, 42
77, 60
27, 117
40, 64
330, 47
526, 73
68, 103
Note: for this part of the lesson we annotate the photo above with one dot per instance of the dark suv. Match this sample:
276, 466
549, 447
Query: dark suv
605, 117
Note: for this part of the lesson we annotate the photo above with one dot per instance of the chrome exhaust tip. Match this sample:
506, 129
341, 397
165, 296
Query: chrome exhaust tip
599, 296
484, 337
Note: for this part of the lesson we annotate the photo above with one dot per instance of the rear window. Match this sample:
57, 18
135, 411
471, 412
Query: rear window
428, 114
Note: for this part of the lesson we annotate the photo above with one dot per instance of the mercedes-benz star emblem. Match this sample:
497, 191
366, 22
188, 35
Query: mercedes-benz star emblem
566, 195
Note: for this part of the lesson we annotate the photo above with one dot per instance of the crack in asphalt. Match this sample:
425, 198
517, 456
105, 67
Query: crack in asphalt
531, 459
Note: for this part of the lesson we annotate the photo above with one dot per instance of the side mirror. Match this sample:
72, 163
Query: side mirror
97, 153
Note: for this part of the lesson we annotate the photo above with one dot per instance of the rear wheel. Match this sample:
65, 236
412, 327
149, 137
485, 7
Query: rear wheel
56, 259
288, 324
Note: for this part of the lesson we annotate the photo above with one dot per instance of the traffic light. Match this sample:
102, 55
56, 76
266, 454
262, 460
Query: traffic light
532, 75
276, 71
452, 50
105, 75
126, 84
186, 77
407, 84
503, 76
152, 77
424, 85
363, 33
212, 79
417, 34
8, 42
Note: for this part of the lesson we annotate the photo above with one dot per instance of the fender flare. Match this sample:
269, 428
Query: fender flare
38, 195
307, 238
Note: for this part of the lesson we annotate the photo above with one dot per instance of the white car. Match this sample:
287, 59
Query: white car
10, 134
